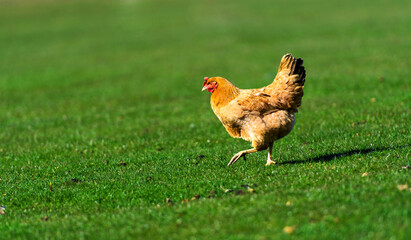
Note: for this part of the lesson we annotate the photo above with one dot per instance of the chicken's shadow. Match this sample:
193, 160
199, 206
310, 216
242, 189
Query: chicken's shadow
336, 156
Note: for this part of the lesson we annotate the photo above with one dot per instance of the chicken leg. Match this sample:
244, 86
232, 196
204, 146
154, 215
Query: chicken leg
241, 154
269, 157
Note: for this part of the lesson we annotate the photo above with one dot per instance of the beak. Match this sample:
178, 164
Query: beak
204, 88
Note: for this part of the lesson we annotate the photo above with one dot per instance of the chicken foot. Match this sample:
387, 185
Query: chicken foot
241, 154
269, 157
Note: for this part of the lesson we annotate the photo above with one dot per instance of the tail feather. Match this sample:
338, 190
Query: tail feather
288, 85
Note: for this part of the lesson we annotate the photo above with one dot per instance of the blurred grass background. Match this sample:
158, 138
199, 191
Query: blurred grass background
109, 93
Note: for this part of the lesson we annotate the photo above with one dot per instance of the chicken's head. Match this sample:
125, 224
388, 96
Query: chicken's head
209, 84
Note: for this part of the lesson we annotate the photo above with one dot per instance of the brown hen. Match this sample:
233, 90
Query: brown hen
262, 115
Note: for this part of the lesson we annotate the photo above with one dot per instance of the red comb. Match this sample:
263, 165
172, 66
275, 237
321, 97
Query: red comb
205, 81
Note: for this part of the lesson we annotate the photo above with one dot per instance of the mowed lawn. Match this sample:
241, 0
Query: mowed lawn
105, 133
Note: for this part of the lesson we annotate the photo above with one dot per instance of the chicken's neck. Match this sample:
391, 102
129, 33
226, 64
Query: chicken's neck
224, 93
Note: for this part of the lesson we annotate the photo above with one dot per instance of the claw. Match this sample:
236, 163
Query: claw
241, 154
235, 158
269, 162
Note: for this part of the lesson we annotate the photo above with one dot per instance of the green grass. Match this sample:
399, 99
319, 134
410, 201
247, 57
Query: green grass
102, 119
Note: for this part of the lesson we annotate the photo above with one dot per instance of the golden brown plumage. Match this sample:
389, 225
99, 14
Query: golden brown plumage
259, 115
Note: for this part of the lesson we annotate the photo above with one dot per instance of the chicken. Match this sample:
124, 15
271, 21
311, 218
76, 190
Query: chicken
262, 115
